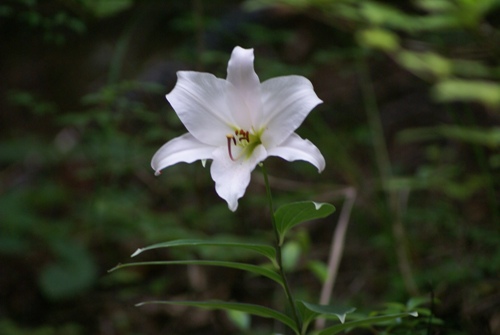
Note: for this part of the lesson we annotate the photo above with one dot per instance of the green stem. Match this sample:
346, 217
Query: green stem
277, 246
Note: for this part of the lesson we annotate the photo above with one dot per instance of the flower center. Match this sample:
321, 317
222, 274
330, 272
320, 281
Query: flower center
242, 139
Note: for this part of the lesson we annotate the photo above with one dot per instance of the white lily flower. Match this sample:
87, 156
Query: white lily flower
237, 122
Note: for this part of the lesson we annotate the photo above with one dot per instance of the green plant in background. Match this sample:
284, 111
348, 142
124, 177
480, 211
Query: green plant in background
440, 42
55, 24
10, 328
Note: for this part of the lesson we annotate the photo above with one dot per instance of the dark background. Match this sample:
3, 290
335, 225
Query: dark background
410, 122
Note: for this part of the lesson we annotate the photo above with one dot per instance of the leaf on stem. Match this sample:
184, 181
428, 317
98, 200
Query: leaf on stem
290, 215
255, 269
369, 321
233, 306
262, 249
310, 312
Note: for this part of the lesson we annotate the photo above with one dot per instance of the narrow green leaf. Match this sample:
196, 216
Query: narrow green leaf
489, 137
262, 249
485, 92
428, 64
234, 306
290, 215
310, 312
363, 323
306, 315
324, 310
234, 265
378, 38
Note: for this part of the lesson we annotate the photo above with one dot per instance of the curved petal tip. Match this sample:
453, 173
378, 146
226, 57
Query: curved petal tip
296, 148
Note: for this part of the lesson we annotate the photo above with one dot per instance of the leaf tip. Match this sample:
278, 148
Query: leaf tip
318, 205
343, 316
137, 252
115, 268
415, 314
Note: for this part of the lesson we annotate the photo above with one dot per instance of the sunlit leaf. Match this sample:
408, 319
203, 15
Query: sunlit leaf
486, 92
319, 269
233, 306
290, 215
290, 255
482, 136
425, 63
473, 68
239, 318
381, 14
379, 39
436, 5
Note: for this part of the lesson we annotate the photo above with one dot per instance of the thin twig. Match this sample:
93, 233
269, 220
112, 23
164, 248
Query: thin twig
336, 250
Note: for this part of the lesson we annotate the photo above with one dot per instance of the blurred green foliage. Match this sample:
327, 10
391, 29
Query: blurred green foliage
10, 328
77, 194
53, 23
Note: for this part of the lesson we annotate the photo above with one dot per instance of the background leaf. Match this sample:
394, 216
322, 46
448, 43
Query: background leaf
73, 273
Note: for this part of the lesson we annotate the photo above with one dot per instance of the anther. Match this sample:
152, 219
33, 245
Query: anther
242, 135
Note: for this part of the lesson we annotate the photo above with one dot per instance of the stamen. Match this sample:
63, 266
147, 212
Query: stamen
244, 135
240, 138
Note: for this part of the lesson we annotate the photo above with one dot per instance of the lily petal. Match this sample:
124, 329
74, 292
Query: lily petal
245, 99
239, 122
297, 148
184, 148
232, 178
200, 101
287, 101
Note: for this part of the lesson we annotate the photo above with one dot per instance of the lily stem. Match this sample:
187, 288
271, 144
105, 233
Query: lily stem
277, 246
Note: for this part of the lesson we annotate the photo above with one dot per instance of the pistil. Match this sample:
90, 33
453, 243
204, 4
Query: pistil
240, 138
230, 138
